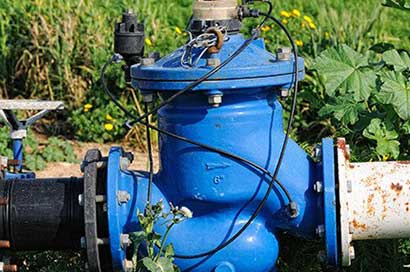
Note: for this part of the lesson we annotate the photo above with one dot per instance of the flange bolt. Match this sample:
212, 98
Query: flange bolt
283, 53
123, 197
318, 187
320, 231
215, 100
293, 209
125, 241
352, 253
317, 152
147, 61
128, 265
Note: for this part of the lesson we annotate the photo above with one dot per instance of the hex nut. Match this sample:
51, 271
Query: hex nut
81, 199
317, 152
83, 242
283, 53
213, 62
352, 253
215, 100
320, 230
124, 163
284, 92
147, 61
125, 241
123, 197
318, 187
148, 98
128, 265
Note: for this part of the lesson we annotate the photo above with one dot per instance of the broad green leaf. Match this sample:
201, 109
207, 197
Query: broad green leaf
396, 91
169, 251
385, 136
400, 61
405, 128
344, 109
161, 265
346, 70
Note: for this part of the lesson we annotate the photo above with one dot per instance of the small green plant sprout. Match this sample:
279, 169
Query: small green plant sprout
159, 255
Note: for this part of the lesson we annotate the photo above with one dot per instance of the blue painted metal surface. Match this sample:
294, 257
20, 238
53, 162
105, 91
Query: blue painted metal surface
255, 67
21, 175
329, 194
222, 193
18, 153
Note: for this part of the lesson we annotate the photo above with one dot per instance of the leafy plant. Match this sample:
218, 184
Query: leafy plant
399, 4
36, 154
366, 89
159, 255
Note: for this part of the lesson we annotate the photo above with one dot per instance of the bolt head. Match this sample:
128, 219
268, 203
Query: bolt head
128, 265
123, 197
318, 187
125, 241
284, 92
148, 98
283, 53
213, 62
317, 152
215, 100
147, 61
81, 199
352, 253
124, 163
320, 230
83, 242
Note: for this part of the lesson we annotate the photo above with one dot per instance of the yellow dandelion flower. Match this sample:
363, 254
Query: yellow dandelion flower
299, 43
312, 26
285, 21
307, 19
296, 13
108, 117
385, 157
148, 42
108, 127
327, 35
178, 30
266, 28
285, 14
303, 25
87, 107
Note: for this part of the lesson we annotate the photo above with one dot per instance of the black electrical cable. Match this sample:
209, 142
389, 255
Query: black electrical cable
274, 177
198, 81
150, 159
269, 11
281, 156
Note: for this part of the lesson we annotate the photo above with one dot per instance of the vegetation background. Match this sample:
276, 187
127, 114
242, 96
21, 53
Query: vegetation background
54, 49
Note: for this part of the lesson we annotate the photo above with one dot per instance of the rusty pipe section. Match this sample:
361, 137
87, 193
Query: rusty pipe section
209, 10
374, 199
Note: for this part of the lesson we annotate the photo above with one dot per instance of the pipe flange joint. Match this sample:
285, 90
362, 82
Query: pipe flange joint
18, 134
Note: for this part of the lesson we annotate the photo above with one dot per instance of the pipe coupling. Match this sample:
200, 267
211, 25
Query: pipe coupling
209, 10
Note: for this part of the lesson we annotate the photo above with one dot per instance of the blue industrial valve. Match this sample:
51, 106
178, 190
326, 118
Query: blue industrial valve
236, 109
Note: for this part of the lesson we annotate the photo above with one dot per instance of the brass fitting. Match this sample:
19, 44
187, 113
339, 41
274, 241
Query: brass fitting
209, 10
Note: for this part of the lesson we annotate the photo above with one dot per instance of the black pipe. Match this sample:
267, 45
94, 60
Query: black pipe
40, 214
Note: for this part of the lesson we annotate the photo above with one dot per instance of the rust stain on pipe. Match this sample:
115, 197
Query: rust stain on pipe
359, 226
4, 201
4, 244
10, 268
396, 187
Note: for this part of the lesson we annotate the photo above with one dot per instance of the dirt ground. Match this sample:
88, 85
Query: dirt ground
63, 169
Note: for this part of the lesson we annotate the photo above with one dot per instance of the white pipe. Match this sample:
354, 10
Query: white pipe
374, 200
